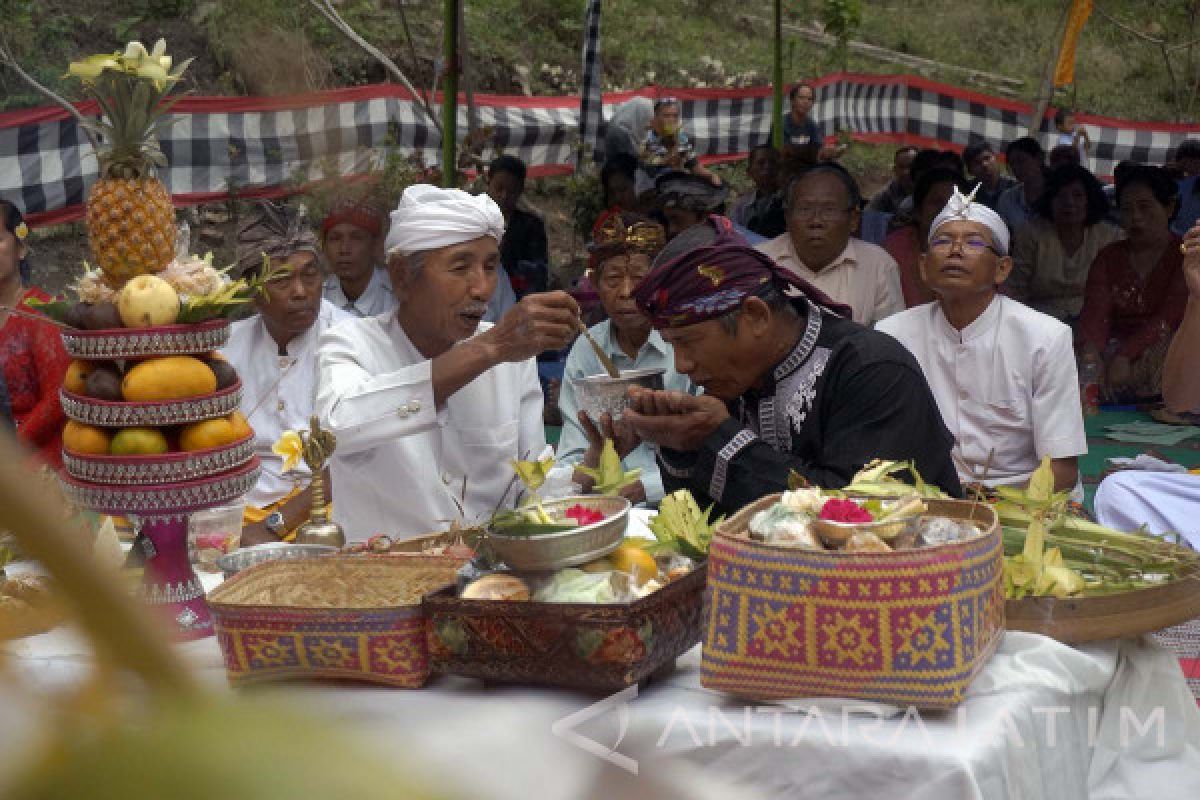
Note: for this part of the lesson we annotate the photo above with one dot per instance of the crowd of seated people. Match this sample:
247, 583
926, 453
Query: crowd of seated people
1030, 271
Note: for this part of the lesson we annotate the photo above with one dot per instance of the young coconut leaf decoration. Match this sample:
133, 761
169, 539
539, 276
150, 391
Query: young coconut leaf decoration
609, 475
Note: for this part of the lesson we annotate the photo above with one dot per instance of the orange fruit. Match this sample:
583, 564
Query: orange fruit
207, 434
636, 561
75, 380
85, 439
168, 378
241, 428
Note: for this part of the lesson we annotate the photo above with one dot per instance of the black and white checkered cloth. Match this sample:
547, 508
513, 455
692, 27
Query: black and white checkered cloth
591, 114
255, 146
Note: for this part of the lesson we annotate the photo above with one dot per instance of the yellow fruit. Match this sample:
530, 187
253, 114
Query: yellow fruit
147, 301
138, 442
207, 434
169, 378
131, 226
75, 380
636, 561
241, 428
85, 439
599, 565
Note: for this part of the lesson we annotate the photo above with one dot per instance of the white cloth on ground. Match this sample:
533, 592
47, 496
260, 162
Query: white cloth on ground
401, 462
1164, 502
429, 218
1006, 383
277, 392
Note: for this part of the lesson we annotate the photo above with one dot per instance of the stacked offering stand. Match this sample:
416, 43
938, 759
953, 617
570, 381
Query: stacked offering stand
158, 493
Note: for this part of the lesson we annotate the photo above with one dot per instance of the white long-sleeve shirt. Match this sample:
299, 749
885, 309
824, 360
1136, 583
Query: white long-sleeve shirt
1006, 385
400, 463
277, 393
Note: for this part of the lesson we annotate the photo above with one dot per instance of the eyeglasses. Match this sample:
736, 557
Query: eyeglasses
973, 244
823, 213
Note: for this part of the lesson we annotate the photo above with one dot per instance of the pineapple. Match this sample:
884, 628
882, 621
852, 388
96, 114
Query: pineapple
130, 218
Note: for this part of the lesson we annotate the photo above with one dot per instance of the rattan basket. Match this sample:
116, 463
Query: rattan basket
341, 617
596, 647
910, 627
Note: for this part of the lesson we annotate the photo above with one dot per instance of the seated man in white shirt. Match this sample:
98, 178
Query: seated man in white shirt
275, 355
351, 235
1003, 374
623, 247
430, 404
822, 209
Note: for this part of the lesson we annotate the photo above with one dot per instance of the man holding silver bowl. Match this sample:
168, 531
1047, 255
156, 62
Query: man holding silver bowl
622, 248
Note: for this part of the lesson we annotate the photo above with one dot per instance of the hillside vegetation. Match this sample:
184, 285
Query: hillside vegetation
516, 46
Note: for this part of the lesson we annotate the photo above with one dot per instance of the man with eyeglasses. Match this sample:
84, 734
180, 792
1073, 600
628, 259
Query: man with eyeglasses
1003, 374
622, 248
823, 205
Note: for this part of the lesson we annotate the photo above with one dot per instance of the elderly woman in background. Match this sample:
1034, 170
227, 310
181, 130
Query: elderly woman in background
1052, 255
32, 359
1136, 293
932, 192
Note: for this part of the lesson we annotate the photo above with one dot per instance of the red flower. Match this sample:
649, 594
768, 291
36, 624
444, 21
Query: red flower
837, 509
583, 515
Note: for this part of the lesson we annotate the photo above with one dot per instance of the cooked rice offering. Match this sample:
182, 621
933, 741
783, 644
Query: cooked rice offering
334, 583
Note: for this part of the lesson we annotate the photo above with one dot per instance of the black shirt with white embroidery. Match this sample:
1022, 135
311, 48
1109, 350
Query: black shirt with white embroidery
844, 395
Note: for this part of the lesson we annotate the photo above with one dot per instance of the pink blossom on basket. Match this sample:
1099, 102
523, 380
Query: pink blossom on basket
838, 509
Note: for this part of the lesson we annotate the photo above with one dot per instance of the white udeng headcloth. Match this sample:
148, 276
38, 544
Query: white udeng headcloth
429, 218
964, 207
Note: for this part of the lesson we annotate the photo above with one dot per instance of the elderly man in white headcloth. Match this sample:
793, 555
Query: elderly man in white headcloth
430, 404
1003, 374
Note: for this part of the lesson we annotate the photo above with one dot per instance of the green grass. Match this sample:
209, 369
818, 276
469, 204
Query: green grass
669, 42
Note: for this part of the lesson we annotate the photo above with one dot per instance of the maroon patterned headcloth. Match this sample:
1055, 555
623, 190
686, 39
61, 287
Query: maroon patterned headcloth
710, 281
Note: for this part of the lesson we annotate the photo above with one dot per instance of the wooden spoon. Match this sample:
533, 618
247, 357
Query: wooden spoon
605, 361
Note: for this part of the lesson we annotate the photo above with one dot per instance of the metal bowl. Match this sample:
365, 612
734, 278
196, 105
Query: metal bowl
550, 551
233, 563
602, 394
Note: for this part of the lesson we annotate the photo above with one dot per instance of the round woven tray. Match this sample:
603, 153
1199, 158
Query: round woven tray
165, 468
165, 412
163, 498
166, 340
1075, 620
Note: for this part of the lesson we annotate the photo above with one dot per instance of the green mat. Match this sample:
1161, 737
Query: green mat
1093, 465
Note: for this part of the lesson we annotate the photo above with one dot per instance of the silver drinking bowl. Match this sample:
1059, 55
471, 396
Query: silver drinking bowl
602, 394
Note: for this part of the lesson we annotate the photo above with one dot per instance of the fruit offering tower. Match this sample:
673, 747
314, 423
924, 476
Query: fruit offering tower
154, 431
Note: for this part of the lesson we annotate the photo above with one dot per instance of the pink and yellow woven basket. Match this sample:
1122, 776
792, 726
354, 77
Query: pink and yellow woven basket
376, 642
910, 628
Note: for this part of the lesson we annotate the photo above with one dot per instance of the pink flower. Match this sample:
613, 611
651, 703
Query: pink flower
837, 509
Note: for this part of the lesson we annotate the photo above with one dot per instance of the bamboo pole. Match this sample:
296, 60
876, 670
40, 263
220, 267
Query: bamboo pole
1046, 90
450, 95
777, 80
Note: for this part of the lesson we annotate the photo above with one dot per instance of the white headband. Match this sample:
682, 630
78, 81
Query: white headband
429, 218
965, 207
